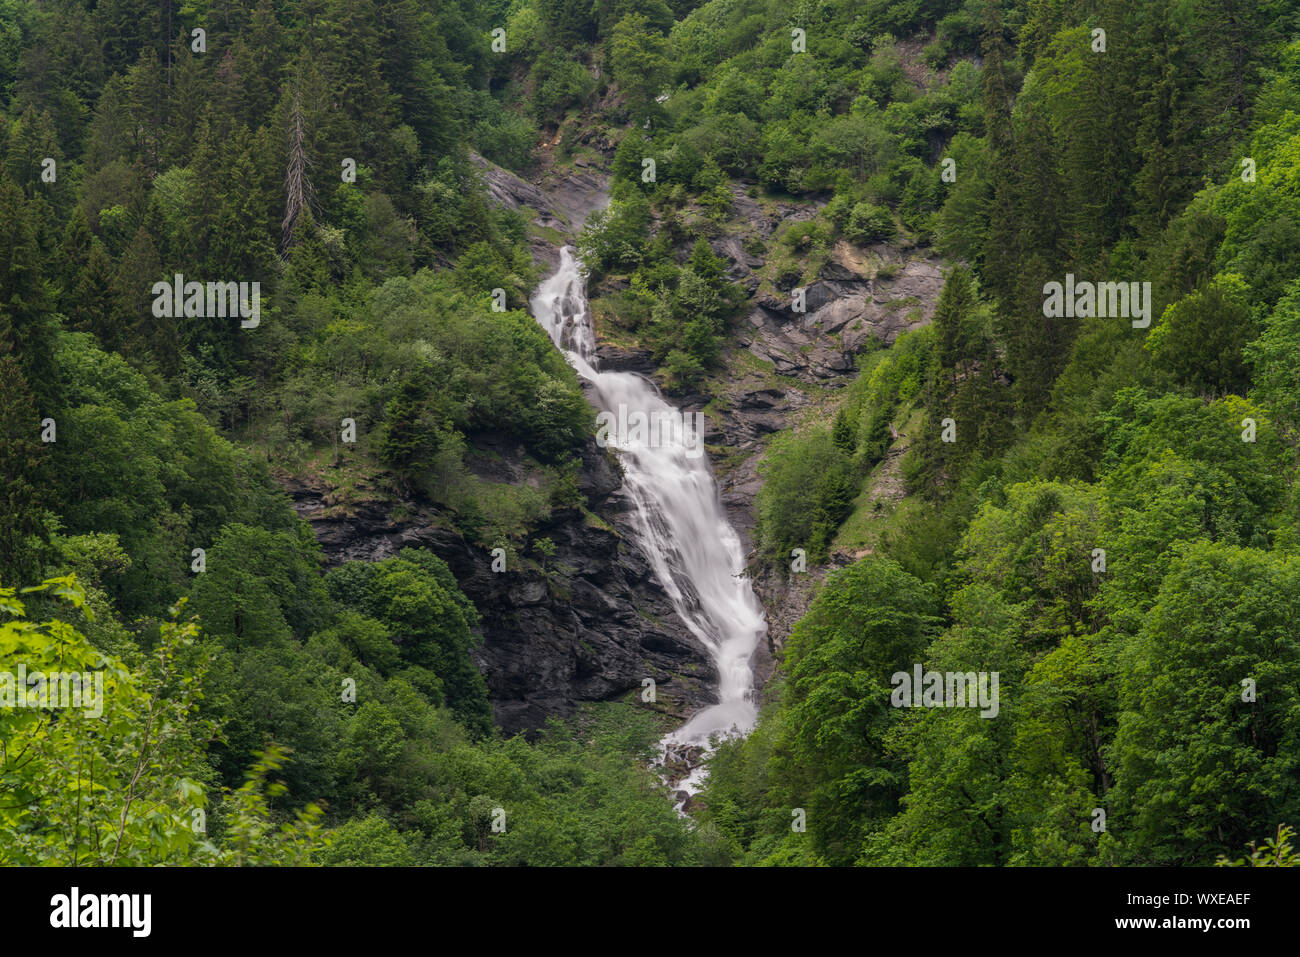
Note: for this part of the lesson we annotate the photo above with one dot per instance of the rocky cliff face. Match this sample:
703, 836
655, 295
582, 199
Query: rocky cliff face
779, 363
595, 623
843, 309
561, 204
859, 294
591, 626
805, 354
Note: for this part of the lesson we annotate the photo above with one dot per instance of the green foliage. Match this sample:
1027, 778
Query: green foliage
22, 471
100, 773
567, 22
806, 493
830, 755
869, 224
559, 82
260, 586
1200, 338
1189, 748
615, 238
1275, 357
1275, 852
680, 313
638, 59
252, 837
111, 771
151, 471
416, 599
1114, 531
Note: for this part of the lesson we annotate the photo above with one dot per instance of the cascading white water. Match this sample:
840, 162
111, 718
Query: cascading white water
678, 515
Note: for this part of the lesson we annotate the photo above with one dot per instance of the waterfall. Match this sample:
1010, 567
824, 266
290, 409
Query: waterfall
677, 515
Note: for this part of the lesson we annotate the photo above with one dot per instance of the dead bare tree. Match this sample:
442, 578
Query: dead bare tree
299, 194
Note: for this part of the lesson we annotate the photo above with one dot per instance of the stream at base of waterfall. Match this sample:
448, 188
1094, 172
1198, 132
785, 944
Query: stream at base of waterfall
680, 523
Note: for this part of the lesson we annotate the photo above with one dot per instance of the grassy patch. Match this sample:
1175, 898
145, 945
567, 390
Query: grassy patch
552, 236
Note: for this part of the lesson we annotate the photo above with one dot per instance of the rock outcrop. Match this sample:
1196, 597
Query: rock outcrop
562, 204
843, 309
595, 623
858, 295
590, 626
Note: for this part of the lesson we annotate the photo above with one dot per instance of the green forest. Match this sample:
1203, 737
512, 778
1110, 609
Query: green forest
1100, 508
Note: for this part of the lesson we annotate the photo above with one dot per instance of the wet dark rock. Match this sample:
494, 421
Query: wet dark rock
600, 475
562, 202
680, 760
613, 358
590, 627
834, 270
527, 593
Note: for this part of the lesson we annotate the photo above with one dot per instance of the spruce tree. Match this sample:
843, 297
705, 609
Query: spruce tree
22, 474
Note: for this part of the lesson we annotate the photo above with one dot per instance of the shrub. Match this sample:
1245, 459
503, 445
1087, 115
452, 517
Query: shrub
869, 224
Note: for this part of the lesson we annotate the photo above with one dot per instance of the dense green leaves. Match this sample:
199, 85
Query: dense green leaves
1206, 747
1112, 531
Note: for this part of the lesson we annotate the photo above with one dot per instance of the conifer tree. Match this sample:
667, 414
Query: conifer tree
22, 475
24, 294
